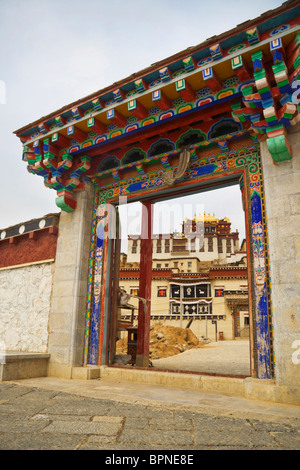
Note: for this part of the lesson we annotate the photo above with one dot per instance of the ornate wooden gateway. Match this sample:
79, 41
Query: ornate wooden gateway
187, 124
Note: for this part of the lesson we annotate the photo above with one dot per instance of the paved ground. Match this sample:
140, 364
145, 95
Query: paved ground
52, 414
220, 357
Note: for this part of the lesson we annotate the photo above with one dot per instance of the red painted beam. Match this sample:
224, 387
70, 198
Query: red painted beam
96, 126
75, 133
142, 356
200, 114
60, 141
137, 109
117, 118
185, 90
159, 98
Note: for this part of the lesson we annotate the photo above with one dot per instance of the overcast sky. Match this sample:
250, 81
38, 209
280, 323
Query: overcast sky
54, 52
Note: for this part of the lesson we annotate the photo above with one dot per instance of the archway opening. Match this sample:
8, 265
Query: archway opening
200, 319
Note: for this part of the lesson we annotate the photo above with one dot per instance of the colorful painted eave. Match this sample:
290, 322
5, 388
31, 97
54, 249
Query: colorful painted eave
251, 74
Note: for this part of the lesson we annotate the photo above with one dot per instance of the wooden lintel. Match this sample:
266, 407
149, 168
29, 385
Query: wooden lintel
187, 121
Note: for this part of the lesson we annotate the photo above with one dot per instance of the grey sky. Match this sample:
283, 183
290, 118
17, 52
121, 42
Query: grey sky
54, 52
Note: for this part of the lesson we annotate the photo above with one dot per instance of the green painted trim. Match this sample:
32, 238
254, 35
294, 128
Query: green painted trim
61, 203
278, 148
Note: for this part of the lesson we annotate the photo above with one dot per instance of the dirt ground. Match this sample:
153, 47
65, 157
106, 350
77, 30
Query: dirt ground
166, 341
174, 348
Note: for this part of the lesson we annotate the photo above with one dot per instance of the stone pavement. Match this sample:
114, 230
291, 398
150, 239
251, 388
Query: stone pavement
60, 414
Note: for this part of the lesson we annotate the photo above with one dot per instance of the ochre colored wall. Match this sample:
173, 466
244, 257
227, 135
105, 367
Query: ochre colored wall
28, 248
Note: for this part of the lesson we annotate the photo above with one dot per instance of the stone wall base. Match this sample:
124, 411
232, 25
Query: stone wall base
18, 366
79, 373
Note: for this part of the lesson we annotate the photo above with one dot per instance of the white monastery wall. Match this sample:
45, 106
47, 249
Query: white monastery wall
25, 294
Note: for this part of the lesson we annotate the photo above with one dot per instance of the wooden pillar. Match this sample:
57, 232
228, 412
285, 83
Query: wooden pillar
142, 356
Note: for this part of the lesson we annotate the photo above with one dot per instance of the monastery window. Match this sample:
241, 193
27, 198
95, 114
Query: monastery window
228, 245
167, 246
219, 292
189, 291
203, 290
162, 292
210, 244
158, 246
175, 291
220, 245
166, 265
158, 265
175, 264
189, 264
134, 291
204, 309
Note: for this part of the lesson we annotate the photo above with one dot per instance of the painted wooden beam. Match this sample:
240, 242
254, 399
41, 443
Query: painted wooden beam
95, 125
137, 109
97, 104
116, 117
60, 141
76, 133
159, 98
43, 128
240, 69
60, 121
118, 95
77, 113
216, 52
142, 356
185, 90
140, 85
212, 80
189, 64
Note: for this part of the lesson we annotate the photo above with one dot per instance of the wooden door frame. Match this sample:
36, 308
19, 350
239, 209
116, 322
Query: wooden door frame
245, 166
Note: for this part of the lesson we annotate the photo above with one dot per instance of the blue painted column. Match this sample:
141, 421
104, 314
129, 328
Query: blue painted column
260, 288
